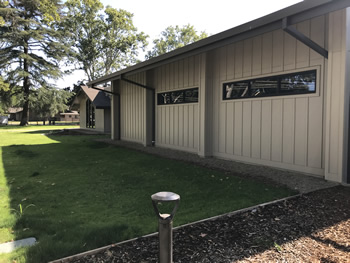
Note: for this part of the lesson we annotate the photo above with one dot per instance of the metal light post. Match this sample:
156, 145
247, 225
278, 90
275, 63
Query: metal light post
165, 225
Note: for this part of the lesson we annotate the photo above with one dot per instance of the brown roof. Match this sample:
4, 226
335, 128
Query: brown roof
15, 110
97, 97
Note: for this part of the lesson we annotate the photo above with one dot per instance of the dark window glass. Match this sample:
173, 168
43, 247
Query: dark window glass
298, 83
237, 90
178, 96
90, 115
264, 87
287, 84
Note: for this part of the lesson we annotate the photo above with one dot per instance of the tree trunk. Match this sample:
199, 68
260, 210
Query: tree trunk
26, 84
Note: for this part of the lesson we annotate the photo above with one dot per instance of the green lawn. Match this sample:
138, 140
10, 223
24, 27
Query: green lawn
83, 194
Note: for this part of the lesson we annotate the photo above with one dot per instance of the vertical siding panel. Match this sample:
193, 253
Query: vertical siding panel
171, 127
176, 74
288, 130
229, 128
185, 129
314, 133
181, 126
190, 126
195, 126
158, 125
230, 69
266, 123
176, 125
164, 130
238, 128
267, 53
302, 51
277, 129
257, 55
191, 72
163, 77
186, 73
222, 127
317, 34
223, 62
247, 57
239, 59
247, 128
334, 123
196, 70
167, 76
277, 51
171, 76
181, 74
167, 124
256, 129
289, 52
216, 100
301, 126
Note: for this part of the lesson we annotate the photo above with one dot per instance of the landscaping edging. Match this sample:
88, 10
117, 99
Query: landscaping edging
237, 212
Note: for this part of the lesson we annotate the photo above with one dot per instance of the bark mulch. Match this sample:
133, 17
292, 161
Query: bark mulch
314, 227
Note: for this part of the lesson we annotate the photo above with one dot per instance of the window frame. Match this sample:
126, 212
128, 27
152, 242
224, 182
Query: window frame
278, 93
90, 115
178, 90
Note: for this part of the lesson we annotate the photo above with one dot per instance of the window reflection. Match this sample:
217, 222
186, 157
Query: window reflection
287, 84
178, 96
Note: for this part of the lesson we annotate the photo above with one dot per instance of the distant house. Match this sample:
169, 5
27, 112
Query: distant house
95, 109
15, 114
72, 116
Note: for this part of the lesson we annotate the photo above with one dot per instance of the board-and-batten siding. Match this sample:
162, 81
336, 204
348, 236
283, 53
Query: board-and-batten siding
132, 109
286, 131
177, 125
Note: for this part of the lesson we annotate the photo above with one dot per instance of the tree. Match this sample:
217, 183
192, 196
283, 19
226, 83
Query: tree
173, 38
73, 91
47, 102
30, 48
102, 42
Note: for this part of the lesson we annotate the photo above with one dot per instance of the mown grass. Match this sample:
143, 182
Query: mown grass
87, 194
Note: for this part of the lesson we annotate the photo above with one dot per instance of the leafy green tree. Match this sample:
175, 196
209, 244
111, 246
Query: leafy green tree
102, 41
30, 48
47, 102
173, 38
73, 91
121, 42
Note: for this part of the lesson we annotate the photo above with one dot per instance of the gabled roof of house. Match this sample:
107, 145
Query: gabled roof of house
14, 110
294, 14
97, 97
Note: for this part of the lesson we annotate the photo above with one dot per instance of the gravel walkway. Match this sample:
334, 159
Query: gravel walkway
293, 180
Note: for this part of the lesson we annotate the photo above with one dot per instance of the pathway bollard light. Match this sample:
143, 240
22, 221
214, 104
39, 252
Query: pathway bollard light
165, 224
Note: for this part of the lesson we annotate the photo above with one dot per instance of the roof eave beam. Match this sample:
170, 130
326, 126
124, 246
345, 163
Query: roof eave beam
302, 38
106, 91
136, 83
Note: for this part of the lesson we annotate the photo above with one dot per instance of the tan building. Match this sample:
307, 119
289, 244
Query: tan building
94, 108
274, 91
72, 116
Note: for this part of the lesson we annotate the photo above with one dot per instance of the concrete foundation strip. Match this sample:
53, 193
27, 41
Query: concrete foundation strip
251, 208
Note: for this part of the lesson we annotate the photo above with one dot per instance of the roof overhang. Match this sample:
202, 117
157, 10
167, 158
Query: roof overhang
295, 14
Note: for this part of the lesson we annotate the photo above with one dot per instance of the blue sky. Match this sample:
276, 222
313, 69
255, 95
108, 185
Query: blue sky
154, 16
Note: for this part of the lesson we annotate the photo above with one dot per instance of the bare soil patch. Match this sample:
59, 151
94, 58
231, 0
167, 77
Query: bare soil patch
314, 227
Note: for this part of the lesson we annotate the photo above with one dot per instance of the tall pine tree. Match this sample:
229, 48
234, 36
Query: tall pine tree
30, 47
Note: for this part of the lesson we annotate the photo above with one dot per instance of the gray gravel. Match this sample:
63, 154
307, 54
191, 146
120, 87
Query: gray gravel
303, 183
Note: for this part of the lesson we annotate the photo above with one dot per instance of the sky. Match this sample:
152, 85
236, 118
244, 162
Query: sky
213, 17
